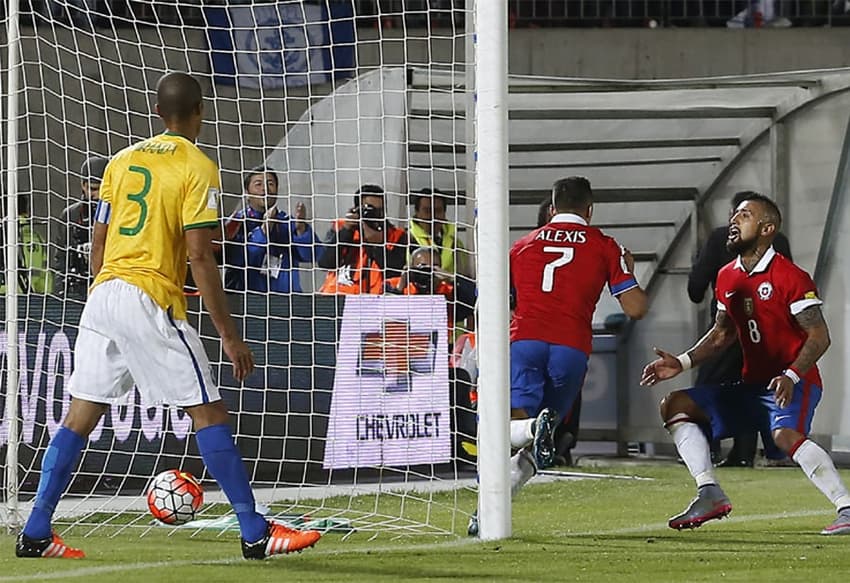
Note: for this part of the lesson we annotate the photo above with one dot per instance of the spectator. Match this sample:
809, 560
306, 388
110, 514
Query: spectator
758, 14
33, 273
263, 244
429, 228
726, 367
363, 248
424, 276
73, 238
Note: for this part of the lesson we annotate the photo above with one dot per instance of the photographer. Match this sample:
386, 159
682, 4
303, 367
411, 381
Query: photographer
429, 227
72, 239
425, 277
364, 248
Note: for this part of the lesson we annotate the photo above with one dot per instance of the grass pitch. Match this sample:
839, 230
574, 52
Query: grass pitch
587, 530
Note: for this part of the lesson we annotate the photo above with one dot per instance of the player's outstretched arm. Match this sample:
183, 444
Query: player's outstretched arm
205, 273
667, 366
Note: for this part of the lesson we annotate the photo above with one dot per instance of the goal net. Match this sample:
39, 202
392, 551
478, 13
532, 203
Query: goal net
357, 417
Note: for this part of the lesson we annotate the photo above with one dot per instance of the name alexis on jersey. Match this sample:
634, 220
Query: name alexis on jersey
554, 236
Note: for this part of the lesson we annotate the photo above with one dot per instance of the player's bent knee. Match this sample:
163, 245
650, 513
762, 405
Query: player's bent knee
787, 439
208, 414
667, 406
677, 403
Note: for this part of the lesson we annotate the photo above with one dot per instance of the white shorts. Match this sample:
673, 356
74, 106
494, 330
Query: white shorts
126, 338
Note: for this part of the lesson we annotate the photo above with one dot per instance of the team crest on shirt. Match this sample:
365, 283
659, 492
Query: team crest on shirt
748, 306
765, 290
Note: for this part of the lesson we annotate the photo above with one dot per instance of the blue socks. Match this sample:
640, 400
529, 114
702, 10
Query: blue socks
217, 448
224, 462
58, 462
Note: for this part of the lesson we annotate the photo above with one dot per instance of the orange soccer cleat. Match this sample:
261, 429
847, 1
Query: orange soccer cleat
280, 540
52, 547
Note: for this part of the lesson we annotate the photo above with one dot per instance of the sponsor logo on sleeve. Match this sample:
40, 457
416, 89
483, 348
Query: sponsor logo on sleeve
212, 198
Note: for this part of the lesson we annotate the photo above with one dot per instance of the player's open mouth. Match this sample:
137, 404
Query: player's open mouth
734, 233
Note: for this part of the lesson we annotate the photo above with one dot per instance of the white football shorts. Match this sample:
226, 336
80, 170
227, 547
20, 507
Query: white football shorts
125, 338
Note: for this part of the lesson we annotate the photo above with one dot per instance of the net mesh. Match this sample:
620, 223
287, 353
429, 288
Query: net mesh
356, 414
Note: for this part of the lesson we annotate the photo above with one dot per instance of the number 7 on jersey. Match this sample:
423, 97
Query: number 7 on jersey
566, 255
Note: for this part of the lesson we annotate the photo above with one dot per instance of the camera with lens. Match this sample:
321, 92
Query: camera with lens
371, 216
422, 276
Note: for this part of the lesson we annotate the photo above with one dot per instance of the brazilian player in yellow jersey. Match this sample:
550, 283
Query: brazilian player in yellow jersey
157, 190
158, 206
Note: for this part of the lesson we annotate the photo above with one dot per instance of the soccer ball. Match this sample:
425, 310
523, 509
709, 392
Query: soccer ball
174, 497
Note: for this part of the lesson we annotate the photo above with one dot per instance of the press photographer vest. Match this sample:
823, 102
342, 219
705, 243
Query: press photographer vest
446, 247
349, 279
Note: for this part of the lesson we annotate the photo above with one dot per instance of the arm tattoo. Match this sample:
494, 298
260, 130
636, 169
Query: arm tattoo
811, 317
811, 320
721, 335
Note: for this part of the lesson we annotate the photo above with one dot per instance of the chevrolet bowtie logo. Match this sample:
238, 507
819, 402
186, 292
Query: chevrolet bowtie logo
396, 353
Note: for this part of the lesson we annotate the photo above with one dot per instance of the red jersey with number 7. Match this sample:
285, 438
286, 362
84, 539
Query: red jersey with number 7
763, 304
557, 274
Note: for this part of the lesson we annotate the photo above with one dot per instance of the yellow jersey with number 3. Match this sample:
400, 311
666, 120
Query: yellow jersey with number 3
153, 191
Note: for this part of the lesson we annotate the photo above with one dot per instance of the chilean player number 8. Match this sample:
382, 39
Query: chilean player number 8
566, 255
753, 327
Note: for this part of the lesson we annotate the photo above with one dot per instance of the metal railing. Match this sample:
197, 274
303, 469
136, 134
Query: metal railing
451, 13
594, 13
547, 13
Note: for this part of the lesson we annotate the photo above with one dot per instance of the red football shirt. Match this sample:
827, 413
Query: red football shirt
762, 304
557, 274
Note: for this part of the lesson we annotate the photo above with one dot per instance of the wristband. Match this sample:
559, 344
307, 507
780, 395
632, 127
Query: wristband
792, 374
685, 360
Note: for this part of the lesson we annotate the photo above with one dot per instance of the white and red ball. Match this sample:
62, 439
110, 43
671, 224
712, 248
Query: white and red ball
174, 497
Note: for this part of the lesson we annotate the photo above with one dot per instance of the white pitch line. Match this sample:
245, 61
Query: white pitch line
577, 475
733, 518
452, 543
126, 567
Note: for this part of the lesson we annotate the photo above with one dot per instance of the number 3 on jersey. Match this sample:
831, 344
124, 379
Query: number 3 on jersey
565, 254
139, 198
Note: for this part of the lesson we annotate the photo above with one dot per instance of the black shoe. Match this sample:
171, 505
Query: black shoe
564, 461
543, 444
472, 527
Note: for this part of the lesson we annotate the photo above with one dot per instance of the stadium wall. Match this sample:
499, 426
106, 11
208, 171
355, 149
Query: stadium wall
814, 138
245, 122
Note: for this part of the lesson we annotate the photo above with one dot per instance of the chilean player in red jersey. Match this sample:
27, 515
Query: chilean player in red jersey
557, 274
773, 306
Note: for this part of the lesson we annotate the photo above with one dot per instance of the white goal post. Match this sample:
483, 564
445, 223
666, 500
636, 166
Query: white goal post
358, 414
